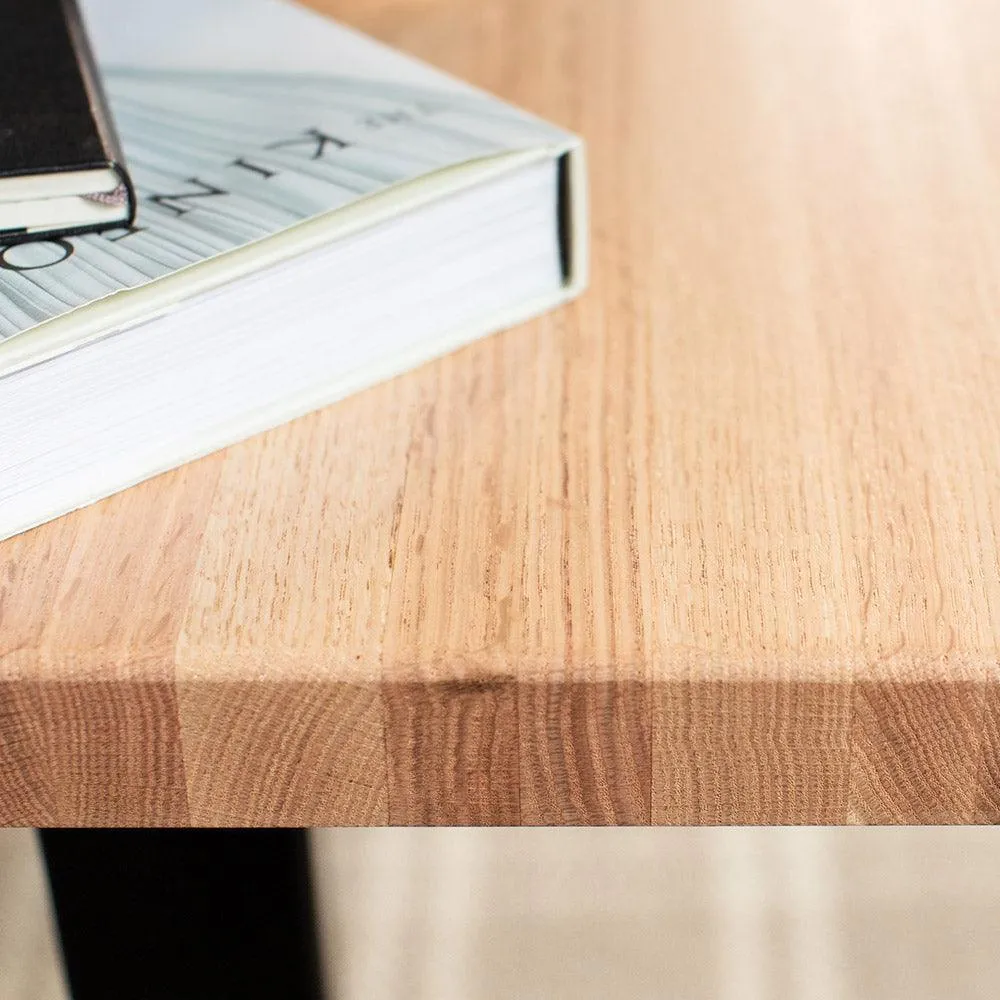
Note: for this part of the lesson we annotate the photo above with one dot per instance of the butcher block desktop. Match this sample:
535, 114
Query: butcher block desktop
719, 543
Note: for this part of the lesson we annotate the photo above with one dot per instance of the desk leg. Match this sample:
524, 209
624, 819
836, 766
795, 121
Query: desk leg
184, 914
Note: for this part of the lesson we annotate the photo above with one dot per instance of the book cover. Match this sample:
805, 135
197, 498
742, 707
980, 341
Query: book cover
61, 166
229, 144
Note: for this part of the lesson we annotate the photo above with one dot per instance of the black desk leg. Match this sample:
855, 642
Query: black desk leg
185, 914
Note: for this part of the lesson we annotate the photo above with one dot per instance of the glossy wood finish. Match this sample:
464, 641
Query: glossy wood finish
717, 544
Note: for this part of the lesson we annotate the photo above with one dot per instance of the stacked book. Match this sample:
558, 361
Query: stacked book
217, 215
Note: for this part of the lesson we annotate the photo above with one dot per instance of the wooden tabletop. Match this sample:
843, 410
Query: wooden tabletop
717, 544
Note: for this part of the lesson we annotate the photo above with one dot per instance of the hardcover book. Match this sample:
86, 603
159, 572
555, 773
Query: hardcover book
316, 212
61, 166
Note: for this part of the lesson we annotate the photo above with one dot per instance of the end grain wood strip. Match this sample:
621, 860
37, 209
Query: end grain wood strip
719, 543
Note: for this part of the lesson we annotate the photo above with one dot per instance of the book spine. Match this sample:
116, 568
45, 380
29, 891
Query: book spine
98, 101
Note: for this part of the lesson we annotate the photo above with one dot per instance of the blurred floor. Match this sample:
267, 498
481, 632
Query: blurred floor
485, 914
29, 963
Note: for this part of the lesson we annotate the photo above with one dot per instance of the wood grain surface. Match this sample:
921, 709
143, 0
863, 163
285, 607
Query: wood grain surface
719, 543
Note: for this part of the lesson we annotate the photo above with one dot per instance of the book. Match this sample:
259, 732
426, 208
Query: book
61, 166
316, 213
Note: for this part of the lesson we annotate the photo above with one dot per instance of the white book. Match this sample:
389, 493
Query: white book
316, 213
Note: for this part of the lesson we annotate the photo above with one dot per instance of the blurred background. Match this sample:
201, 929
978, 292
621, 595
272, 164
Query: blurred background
586, 913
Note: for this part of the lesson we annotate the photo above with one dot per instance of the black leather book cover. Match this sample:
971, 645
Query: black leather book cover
53, 113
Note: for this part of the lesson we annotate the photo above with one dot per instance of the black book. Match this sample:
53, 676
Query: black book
61, 167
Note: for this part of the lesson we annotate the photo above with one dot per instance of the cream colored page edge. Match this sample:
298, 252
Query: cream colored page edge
114, 314
275, 416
